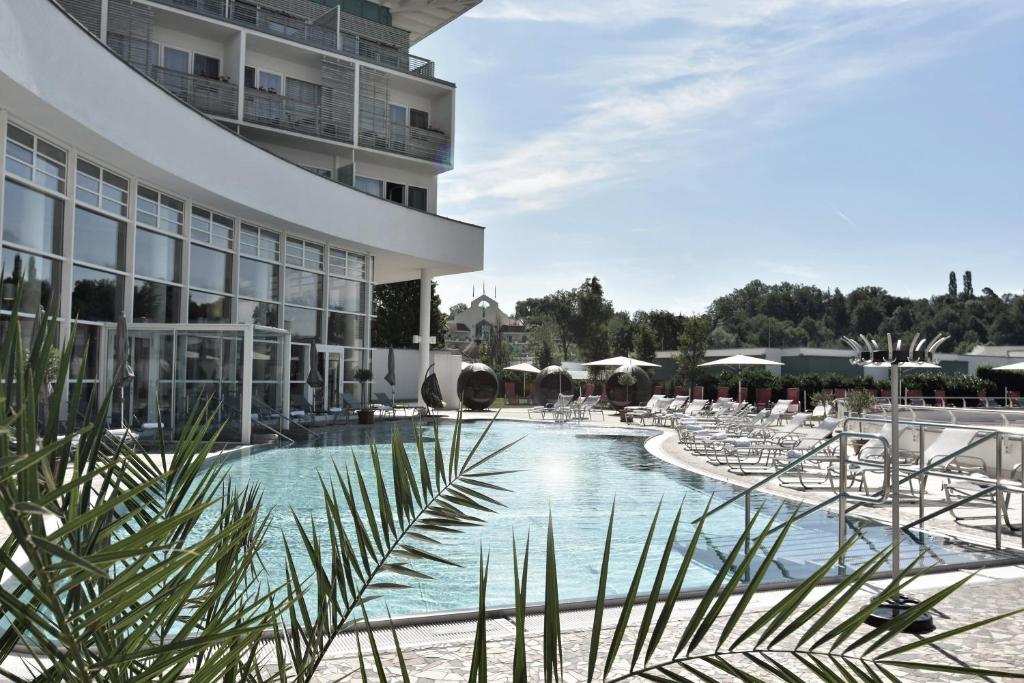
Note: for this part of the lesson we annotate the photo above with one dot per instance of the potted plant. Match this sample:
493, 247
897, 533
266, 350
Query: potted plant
858, 402
365, 414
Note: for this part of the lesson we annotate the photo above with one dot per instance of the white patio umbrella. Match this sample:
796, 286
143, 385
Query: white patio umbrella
526, 369
620, 361
737, 363
1012, 366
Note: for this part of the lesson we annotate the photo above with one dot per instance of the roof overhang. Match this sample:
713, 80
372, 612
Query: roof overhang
65, 82
422, 17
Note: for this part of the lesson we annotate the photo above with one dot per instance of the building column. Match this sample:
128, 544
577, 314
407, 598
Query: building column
424, 331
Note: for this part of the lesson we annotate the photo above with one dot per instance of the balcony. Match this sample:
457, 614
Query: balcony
209, 95
420, 143
335, 31
319, 120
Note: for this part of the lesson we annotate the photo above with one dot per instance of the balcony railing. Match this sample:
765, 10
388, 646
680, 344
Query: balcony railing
276, 111
210, 95
420, 143
315, 34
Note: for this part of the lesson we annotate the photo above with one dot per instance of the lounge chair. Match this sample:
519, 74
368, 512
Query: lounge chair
585, 407
559, 410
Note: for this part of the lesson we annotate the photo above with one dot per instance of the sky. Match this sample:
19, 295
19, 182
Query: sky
678, 149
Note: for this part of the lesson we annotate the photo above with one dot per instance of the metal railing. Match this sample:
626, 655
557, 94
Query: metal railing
420, 143
210, 95
996, 487
277, 111
309, 33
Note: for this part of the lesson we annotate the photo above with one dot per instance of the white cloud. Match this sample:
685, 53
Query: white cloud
731, 64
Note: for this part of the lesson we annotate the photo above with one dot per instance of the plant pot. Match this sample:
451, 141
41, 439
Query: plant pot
365, 416
857, 444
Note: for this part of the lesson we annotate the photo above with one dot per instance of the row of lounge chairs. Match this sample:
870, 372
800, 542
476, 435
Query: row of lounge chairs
566, 408
805, 453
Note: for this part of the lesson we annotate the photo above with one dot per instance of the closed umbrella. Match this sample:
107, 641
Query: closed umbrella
526, 369
737, 363
390, 377
123, 373
314, 379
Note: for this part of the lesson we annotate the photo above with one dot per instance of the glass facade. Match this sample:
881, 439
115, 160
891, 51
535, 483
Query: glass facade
104, 244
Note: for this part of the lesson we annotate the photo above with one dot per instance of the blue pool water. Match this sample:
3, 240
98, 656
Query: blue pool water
574, 473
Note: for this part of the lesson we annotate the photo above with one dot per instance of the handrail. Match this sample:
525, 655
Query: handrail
997, 485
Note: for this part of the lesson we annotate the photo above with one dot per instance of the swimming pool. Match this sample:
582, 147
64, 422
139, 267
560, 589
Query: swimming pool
574, 472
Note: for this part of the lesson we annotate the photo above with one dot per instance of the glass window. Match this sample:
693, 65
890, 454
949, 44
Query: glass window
39, 278
269, 82
156, 210
261, 243
157, 256
303, 323
99, 240
209, 269
100, 188
257, 279
250, 77
175, 60
212, 228
419, 118
417, 198
304, 254
396, 193
208, 308
346, 330
257, 312
207, 67
347, 264
35, 159
347, 295
85, 356
96, 294
33, 219
303, 288
156, 302
369, 186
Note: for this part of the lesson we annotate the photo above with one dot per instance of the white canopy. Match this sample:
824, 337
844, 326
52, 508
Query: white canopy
1012, 366
620, 361
523, 367
736, 361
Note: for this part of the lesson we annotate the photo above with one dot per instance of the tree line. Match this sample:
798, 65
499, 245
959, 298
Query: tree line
583, 324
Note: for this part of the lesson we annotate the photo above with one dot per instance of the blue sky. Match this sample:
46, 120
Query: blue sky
678, 149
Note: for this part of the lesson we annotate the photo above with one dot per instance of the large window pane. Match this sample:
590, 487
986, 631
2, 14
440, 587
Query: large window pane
32, 219
347, 295
208, 308
303, 288
209, 269
157, 256
99, 240
304, 323
257, 312
156, 302
346, 330
38, 277
96, 295
257, 279
84, 357
369, 186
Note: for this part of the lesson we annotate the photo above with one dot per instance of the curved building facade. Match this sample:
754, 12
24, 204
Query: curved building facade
231, 177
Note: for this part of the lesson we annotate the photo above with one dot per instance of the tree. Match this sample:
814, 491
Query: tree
693, 347
591, 312
968, 285
951, 289
645, 344
620, 334
398, 314
544, 355
867, 317
495, 353
554, 309
456, 309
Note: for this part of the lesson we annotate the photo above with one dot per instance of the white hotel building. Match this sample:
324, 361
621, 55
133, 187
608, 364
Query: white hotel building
233, 176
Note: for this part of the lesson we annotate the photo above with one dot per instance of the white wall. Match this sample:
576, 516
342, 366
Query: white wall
400, 175
447, 366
